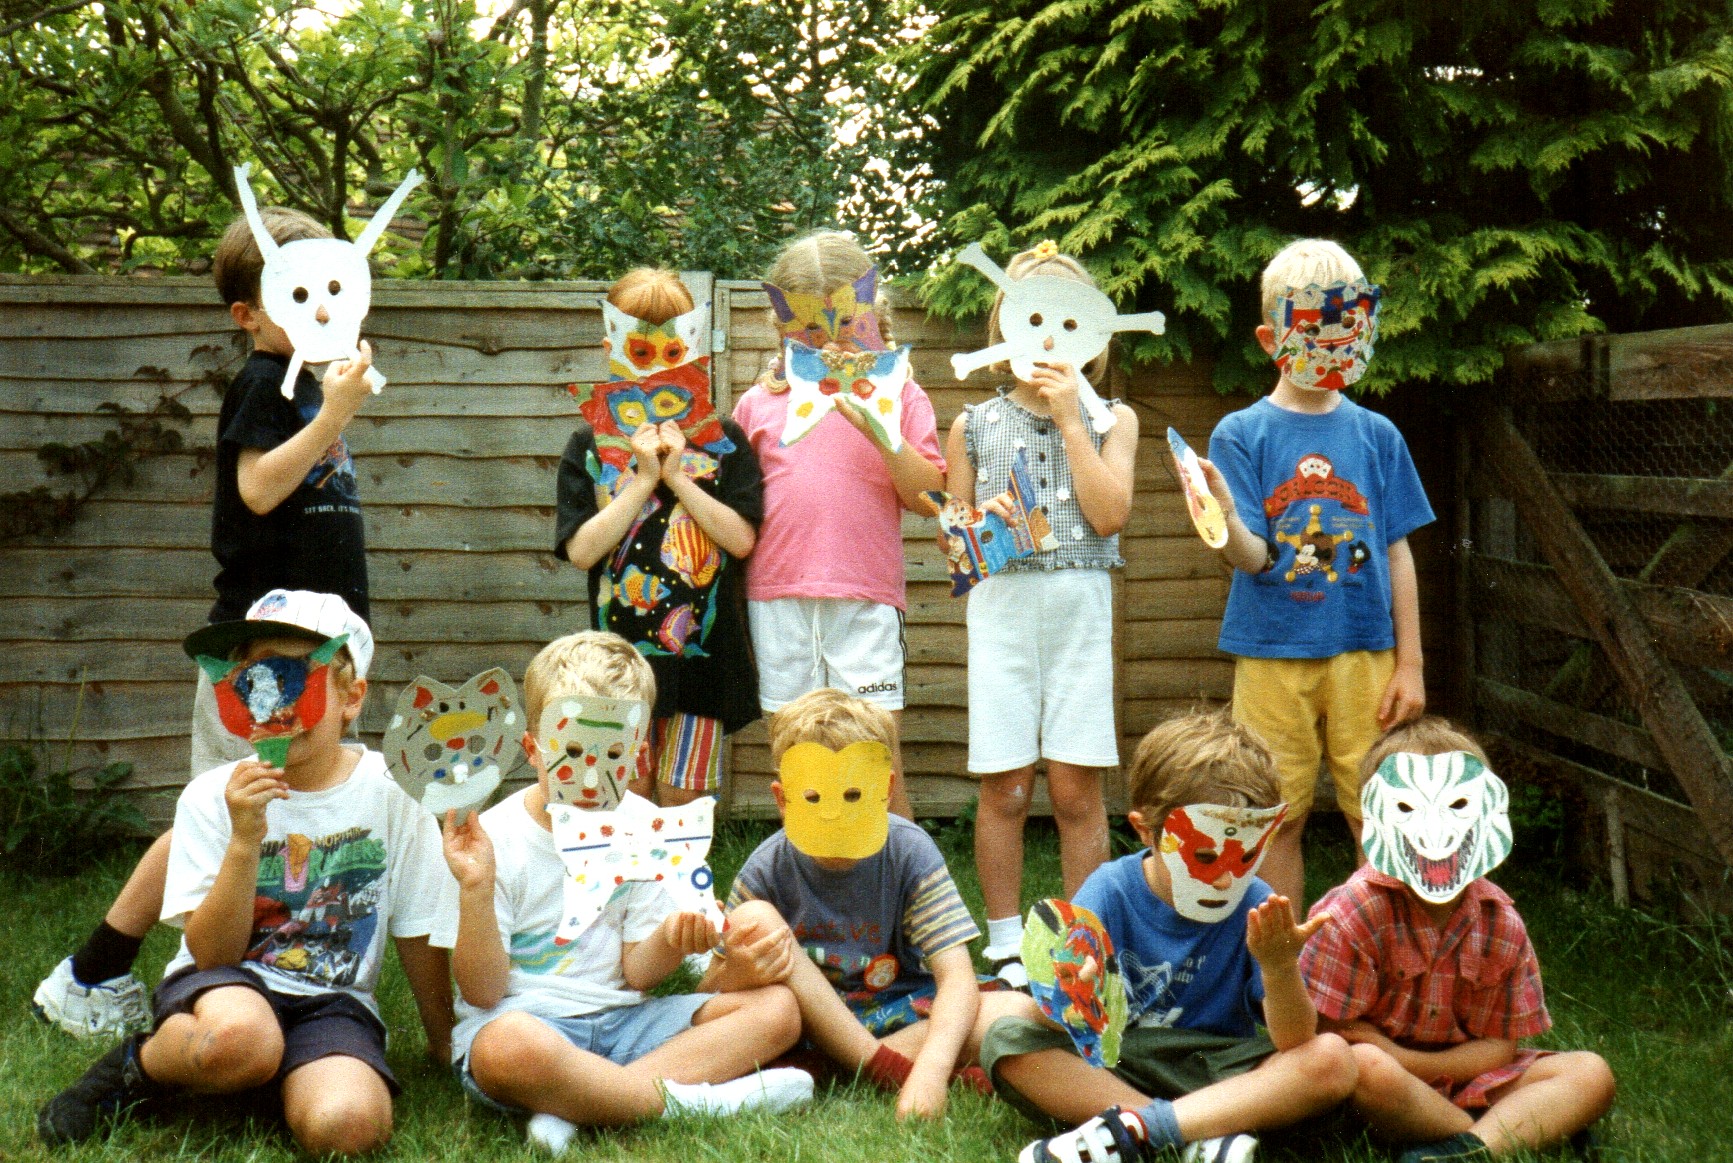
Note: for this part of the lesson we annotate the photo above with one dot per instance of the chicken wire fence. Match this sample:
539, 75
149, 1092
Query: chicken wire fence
1604, 448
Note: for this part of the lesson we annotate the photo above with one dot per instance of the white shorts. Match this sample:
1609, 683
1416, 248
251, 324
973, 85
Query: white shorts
803, 644
1041, 670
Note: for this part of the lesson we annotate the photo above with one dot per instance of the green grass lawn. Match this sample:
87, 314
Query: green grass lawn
1650, 997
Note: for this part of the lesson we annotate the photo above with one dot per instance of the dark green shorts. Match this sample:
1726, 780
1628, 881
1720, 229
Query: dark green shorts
1156, 1060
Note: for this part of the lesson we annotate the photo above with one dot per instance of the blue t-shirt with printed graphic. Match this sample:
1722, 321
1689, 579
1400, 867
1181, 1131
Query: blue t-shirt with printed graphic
1189, 975
1329, 494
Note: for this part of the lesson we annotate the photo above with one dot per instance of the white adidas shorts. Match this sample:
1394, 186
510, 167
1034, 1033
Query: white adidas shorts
803, 644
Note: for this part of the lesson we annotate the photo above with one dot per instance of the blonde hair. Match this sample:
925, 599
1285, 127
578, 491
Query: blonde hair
1202, 757
1054, 265
590, 662
831, 717
1305, 263
651, 294
822, 261
237, 263
1428, 735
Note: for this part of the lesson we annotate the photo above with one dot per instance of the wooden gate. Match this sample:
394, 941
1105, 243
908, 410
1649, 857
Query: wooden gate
1597, 523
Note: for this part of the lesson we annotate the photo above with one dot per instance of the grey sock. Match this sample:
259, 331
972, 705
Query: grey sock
1161, 1124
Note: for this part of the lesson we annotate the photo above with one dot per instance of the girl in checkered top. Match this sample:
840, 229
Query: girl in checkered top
1435, 999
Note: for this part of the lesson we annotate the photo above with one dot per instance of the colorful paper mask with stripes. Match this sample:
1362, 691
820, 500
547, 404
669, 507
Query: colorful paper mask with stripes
1202, 844
1435, 822
635, 841
847, 316
1324, 335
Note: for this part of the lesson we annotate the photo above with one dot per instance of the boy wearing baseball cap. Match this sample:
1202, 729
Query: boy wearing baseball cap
287, 871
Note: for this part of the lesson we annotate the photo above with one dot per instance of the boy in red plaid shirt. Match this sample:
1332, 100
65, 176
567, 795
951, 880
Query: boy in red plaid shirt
1435, 994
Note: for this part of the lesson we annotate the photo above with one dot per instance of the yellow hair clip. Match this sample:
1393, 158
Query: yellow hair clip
1046, 249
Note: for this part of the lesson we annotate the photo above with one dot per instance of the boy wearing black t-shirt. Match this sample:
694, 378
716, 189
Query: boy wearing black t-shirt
286, 515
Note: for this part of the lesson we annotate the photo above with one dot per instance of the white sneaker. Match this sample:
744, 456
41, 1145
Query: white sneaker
551, 1133
772, 1090
1007, 966
1227, 1149
108, 1009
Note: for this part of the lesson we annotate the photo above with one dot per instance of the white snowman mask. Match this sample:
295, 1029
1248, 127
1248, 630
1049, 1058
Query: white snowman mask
313, 277
1048, 319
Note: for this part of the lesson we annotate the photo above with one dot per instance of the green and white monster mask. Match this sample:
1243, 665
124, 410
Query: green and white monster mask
1435, 822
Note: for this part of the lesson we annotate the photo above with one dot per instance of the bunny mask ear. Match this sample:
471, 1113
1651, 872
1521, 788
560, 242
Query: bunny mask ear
250, 207
382, 219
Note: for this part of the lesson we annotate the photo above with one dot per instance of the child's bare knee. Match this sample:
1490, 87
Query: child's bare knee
777, 1013
342, 1124
505, 1049
1592, 1078
1331, 1070
233, 1053
1380, 1081
755, 912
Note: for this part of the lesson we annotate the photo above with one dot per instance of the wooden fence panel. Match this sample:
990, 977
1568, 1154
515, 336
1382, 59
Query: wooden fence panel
456, 462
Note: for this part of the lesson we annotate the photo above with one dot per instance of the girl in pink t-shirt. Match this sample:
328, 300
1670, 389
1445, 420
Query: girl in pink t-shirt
824, 586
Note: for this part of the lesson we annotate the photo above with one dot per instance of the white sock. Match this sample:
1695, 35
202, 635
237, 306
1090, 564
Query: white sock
1004, 937
773, 1090
551, 1133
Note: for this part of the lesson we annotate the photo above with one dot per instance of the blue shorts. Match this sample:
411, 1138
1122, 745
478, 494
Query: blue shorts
622, 1034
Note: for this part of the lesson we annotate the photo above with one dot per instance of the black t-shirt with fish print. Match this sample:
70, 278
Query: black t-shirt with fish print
668, 588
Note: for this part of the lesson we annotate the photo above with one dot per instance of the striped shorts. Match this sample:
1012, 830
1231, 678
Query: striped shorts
685, 751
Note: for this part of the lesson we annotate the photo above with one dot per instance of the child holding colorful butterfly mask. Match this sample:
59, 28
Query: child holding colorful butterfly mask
1041, 629
659, 498
1208, 954
1319, 496
1427, 969
825, 586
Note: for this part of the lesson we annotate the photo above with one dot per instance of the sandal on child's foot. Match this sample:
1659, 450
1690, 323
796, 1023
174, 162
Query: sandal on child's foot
1464, 1147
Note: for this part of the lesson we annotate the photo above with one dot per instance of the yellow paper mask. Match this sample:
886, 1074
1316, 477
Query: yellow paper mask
836, 803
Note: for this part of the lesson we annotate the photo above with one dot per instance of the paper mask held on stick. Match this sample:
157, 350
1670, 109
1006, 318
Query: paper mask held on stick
1074, 975
1206, 512
836, 804
604, 850
660, 374
1324, 335
313, 277
1212, 852
872, 381
848, 315
590, 748
444, 745
1051, 320
978, 545
1435, 822
270, 700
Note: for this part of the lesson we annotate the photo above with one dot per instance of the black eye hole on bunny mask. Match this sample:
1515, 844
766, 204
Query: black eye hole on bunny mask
1035, 319
300, 295
335, 287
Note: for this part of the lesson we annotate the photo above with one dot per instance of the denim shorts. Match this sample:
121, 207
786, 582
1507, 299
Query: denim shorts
622, 1034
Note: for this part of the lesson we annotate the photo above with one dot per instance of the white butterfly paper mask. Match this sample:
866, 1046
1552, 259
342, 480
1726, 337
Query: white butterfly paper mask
637, 841
303, 278
1048, 319
872, 380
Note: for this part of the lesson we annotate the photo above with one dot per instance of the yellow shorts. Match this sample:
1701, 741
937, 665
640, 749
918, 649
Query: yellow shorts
1312, 711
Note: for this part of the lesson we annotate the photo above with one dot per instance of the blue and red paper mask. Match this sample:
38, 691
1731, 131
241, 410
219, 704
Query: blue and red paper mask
268, 701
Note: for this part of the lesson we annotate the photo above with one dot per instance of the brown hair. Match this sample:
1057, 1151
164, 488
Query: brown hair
1202, 757
237, 263
822, 261
590, 662
651, 294
1062, 266
831, 717
1428, 735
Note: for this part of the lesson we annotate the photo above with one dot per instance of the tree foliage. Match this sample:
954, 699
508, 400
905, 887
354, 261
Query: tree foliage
560, 138
1510, 170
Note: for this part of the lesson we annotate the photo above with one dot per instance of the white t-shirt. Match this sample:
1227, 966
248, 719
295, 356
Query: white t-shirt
339, 868
549, 980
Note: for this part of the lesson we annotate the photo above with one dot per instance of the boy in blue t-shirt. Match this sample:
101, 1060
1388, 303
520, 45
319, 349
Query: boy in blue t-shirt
1194, 1068
1320, 496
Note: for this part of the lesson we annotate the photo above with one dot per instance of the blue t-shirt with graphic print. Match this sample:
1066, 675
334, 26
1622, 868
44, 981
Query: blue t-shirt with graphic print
1190, 975
1329, 494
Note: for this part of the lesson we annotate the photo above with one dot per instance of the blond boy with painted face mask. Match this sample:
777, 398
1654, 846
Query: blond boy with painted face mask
561, 1025
1208, 954
1319, 495
882, 971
